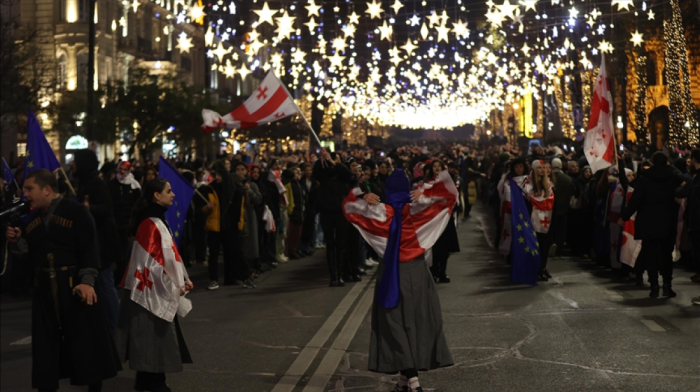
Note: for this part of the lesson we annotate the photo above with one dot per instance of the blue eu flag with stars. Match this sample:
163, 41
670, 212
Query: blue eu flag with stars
39, 152
183, 191
7, 173
524, 250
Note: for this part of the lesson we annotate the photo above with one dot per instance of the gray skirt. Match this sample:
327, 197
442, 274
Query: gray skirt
149, 343
409, 336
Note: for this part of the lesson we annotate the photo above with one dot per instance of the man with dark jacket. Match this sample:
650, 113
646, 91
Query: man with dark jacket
691, 191
92, 192
563, 190
125, 192
335, 181
654, 202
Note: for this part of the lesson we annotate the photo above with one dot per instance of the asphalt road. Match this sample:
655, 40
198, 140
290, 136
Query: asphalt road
585, 330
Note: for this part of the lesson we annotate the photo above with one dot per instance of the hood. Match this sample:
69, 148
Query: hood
86, 164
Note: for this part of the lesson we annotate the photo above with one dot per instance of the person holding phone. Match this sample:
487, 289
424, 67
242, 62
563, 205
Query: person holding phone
68, 322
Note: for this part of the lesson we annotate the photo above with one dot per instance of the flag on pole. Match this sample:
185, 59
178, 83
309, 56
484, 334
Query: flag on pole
7, 173
40, 155
269, 102
183, 191
525, 251
599, 145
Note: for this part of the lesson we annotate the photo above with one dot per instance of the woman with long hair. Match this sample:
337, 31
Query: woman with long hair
542, 199
148, 333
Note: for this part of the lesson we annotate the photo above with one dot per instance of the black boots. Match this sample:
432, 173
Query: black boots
654, 290
151, 382
667, 291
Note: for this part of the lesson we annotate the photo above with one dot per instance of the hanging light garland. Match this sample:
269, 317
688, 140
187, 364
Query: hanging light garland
640, 101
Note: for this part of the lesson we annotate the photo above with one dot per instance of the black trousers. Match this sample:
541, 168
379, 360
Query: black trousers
235, 265
335, 230
657, 256
558, 231
545, 241
440, 256
694, 237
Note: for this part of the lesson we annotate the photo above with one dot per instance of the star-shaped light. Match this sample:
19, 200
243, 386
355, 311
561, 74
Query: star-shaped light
220, 52
336, 60
135, 5
385, 31
196, 12
265, 15
339, 44
442, 33
298, 56
311, 24
354, 18
529, 4
595, 13
495, 17
397, 6
276, 60
605, 47
433, 19
623, 4
229, 70
573, 13
460, 29
590, 22
525, 49
636, 38
285, 26
244, 71
507, 9
255, 46
651, 15
415, 20
374, 9
409, 47
313, 9
184, 43
349, 30
395, 56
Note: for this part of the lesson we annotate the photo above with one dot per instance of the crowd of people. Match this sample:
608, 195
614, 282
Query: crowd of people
260, 210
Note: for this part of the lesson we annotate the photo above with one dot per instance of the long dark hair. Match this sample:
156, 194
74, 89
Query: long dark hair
156, 185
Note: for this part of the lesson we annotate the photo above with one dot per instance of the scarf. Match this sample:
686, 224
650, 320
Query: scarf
398, 195
128, 180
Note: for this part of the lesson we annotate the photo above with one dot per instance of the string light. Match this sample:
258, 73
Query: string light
640, 101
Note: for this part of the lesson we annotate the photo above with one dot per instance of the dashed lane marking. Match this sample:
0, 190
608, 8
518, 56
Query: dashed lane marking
23, 341
651, 324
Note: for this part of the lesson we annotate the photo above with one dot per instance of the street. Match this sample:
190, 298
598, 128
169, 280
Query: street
584, 330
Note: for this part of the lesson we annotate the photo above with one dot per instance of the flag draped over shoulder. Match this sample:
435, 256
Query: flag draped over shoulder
269, 102
599, 145
183, 191
39, 152
401, 230
629, 251
156, 274
524, 250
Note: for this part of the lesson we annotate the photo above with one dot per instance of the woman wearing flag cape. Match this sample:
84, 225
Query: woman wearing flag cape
407, 333
148, 333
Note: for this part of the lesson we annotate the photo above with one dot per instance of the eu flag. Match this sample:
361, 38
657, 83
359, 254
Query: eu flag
7, 173
39, 152
183, 191
525, 251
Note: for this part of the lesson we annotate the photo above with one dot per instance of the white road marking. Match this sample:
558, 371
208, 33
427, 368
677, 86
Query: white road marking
23, 341
560, 296
651, 324
330, 361
614, 295
307, 355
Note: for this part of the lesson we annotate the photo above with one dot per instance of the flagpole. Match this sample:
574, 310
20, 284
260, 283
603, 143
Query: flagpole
67, 180
300, 112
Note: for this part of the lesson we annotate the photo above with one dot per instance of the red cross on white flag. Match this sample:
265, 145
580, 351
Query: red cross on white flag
599, 145
269, 102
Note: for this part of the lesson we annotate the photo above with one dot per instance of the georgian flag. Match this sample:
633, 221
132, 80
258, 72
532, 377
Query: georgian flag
599, 145
269, 102
630, 247
423, 220
542, 212
156, 274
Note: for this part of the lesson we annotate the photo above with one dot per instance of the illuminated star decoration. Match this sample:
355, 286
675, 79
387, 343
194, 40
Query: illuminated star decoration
651, 15
409, 47
135, 5
229, 70
243, 71
529, 4
339, 44
285, 26
385, 31
209, 37
265, 15
313, 9
220, 52
595, 13
397, 6
415, 20
336, 60
196, 12
636, 38
298, 56
311, 24
394, 56
526, 49
460, 29
507, 9
605, 47
623, 4
374, 9
354, 18
184, 43
349, 30
442, 33
434, 19
495, 17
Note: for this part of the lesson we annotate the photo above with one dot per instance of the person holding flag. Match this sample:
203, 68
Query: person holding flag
541, 197
148, 333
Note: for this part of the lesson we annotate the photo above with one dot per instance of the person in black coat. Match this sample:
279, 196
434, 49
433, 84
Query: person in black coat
93, 192
447, 242
691, 191
309, 186
124, 191
335, 181
657, 211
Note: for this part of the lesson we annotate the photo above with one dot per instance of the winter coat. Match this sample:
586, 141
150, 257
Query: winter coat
336, 182
654, 202
563, 189
124, 198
